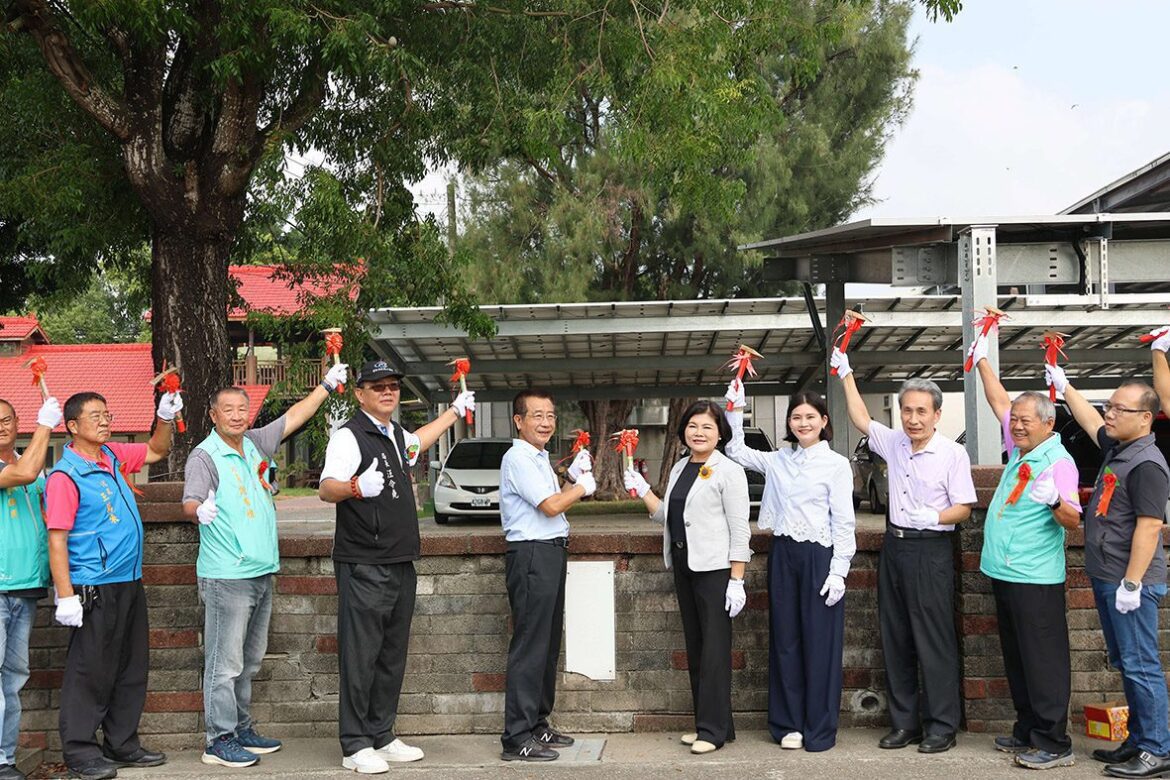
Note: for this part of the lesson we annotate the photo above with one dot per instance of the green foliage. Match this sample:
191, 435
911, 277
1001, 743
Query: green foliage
110, 311
799, 123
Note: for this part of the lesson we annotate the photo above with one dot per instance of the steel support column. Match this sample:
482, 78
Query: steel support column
834, 392
977, 281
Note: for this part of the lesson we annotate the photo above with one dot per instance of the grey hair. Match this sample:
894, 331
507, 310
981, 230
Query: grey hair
921, 386
1045, 409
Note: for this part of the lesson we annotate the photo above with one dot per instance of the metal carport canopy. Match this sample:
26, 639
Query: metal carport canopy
678, 348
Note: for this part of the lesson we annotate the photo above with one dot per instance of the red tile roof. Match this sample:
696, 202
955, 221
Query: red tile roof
264, 290
120, 372
19, 328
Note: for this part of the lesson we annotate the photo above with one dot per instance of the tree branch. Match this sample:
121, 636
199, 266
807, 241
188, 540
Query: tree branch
67, 67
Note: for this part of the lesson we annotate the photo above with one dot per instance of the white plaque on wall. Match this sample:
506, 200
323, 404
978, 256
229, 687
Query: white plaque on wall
589, 620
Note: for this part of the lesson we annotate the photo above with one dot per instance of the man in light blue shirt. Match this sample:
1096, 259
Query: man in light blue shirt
532, 510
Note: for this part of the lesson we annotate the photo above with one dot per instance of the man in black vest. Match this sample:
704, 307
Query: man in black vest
1126, 563
375, 545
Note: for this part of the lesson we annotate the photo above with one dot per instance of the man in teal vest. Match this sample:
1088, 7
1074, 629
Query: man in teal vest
24, 563
227, 492
1023, 554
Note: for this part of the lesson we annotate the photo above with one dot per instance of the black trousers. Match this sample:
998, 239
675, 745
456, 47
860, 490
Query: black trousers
535, 576
707, 634
105, 675
916, 613
375, 604
1033, 633
806, 644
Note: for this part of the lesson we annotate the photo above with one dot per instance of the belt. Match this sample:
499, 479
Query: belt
912, 533
560, 541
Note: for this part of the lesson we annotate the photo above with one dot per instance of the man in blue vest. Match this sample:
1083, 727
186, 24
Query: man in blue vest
226, 491
376, 543
95, 557
24, 563
1126, 563
1023, 555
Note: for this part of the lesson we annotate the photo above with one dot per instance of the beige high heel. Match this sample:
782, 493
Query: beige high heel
688, 739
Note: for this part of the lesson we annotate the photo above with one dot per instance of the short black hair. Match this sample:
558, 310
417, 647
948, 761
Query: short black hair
705, 407
1149, 401
520, 402
816, 401
223, 390
77, 402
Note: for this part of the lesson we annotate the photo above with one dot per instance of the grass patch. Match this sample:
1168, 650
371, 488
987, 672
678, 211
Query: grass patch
624, 507
295, 492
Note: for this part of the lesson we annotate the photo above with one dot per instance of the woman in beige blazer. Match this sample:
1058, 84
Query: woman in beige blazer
705, 542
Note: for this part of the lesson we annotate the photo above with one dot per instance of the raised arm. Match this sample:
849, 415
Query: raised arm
858, 413
737, 448
32, 460
1082, 411
993, 390
1161, 368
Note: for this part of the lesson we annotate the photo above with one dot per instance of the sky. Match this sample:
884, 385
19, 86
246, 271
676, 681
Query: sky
1024, 107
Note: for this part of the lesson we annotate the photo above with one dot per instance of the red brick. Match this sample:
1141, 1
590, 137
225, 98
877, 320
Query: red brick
678, 660
976, 726
327, 644
971, 561
34, 740
162, 637
738, 660
306, 586
306, 546
45, 678
979, 624
862, 579
757, 599
974, 689
488, 682
645, 721
168, 574
174, 701
854, 677
1077, 578
998, 688
1081, 598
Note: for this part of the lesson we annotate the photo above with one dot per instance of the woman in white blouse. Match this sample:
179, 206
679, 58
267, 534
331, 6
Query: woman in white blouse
705, 542
808, 504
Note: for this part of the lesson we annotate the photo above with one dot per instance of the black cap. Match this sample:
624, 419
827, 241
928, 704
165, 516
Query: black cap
374, 370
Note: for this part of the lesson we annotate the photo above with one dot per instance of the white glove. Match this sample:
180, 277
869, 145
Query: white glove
635, 482
840, 361
1161, 339
1044, 489
587, 481
922, 518
464, 403
735, 394
1054, 376
1126, 600
69, 611
735, 598
371, 482
835, 588
169, 405
582, 463
978, 350
207, 511
336, 375
50, 413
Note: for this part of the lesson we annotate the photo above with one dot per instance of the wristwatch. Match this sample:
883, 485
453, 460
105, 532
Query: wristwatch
1129, 585
1055, 504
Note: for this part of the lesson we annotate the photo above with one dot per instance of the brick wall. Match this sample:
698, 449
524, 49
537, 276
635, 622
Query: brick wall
459, 640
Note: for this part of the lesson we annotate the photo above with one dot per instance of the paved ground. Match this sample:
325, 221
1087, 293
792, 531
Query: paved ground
637, 756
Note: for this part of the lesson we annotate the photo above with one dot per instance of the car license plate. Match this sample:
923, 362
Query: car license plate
481, 502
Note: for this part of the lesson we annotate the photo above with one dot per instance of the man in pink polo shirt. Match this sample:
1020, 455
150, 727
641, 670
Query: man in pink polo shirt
930, 493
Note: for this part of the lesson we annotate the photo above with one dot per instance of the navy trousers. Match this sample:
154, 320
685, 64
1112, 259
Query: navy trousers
806, 643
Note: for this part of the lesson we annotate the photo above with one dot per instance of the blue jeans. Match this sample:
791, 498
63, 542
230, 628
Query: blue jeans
235, 638
16, 619
1132, 641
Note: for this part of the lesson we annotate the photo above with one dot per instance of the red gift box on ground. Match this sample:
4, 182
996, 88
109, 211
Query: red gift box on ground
1107, 720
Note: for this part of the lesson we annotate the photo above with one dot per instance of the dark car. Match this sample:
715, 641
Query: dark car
870, 481
757, 440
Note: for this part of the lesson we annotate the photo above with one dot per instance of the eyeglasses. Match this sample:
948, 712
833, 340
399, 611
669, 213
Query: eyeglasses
385, 387
540, 417
1109, 408
99, 417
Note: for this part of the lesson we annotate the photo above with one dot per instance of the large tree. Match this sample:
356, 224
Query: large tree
581, 224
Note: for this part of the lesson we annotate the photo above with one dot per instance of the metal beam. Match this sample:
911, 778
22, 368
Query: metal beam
977, 277
834, 391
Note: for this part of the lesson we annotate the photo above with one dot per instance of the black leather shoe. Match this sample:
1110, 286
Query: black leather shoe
530, 751
1120, 755
96, 769
1142, 765
899, 738
139, 758
1010, 744
10, 772
553, 738
937, 743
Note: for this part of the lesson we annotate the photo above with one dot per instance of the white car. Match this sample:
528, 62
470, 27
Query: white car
469, 483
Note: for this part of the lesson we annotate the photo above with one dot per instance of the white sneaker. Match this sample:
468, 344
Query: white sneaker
365, 762
793, 740
399, 752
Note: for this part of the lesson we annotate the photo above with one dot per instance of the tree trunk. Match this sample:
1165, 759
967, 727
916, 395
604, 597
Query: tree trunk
189, 294
605, 418
672, 446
